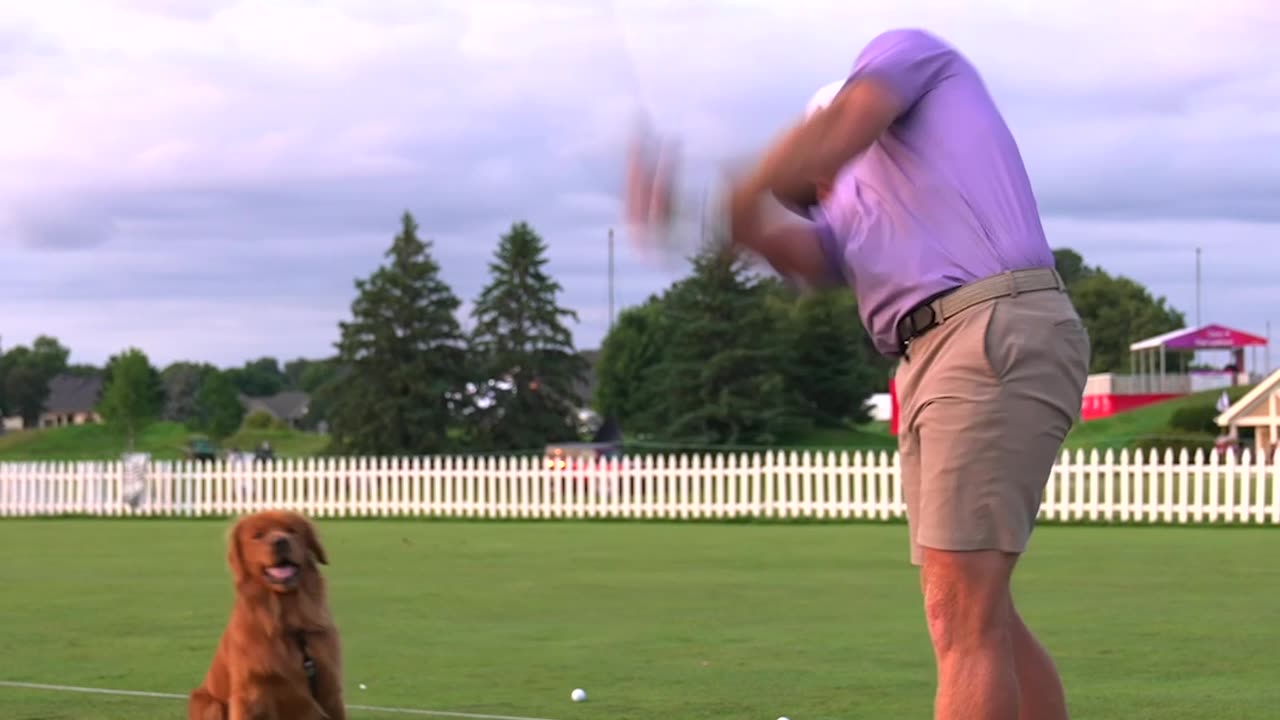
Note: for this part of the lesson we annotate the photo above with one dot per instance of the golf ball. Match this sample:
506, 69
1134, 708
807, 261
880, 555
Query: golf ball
363, 686
578, 695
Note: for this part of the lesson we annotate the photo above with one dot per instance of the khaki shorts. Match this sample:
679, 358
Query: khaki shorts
986, 399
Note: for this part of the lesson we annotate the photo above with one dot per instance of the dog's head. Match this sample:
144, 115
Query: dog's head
276, 548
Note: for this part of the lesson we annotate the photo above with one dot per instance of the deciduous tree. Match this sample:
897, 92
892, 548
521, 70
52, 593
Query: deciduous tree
218, 408
1116, 310
133, 396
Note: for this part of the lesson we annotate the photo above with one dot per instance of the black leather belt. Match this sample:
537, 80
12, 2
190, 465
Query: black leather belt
934, 311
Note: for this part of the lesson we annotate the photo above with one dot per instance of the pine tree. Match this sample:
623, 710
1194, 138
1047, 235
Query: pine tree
404, 353
520, 341
722, 378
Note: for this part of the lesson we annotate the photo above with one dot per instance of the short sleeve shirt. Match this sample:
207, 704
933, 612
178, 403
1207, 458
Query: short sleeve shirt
939, 200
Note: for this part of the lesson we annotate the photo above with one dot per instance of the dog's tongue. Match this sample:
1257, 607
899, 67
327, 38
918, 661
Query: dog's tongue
281, 572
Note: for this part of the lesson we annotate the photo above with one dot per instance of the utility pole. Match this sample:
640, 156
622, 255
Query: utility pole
1266, 351
611, 279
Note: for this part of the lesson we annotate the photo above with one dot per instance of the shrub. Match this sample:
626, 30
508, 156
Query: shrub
1195, 419
262, 420
1176, 442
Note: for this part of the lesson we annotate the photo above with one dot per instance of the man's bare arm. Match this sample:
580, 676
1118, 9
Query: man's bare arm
792, 247
815, 150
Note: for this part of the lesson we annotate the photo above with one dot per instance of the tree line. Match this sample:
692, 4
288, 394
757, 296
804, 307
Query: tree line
723, 356
727, 357
405, 378
135, 393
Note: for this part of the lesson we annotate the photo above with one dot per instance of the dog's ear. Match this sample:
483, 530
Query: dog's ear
235, 554
313, 542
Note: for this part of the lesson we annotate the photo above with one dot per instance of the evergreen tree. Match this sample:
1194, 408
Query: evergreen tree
832, 366
403, 351
722, 378
520, 341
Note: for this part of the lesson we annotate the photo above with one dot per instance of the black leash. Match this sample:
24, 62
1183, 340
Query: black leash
308, 665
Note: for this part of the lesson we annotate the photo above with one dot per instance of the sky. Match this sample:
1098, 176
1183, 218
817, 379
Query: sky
205, 179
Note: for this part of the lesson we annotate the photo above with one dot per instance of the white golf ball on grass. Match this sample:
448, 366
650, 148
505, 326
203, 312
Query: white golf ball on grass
578, 695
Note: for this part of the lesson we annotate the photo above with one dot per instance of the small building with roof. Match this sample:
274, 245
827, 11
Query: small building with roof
72, 400
1259, 411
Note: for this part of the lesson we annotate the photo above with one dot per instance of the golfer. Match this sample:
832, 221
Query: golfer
909, 188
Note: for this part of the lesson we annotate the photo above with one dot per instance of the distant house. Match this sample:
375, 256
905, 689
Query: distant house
73, 400
288, 407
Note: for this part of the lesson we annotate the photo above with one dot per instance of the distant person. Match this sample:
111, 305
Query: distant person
908, 187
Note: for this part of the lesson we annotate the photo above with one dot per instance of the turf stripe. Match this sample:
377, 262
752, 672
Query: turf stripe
174, 696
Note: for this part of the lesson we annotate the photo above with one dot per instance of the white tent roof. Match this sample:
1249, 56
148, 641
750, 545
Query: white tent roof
1153, 343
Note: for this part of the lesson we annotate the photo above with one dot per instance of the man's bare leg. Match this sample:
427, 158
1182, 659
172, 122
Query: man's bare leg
1038, 682
969, 612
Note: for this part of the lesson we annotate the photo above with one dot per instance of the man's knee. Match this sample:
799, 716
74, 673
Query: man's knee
966, 598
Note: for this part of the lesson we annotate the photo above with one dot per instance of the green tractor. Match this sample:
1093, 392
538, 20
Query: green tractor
201, 449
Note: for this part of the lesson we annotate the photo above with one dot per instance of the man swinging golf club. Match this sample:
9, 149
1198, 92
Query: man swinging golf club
908, 187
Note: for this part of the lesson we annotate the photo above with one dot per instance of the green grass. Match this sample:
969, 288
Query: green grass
872, 436
689, 622
164, 440
285, 443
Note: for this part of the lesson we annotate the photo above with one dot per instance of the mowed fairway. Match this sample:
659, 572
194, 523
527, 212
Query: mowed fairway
654, 620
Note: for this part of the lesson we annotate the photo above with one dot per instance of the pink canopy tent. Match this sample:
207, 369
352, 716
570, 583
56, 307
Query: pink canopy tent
1142, 354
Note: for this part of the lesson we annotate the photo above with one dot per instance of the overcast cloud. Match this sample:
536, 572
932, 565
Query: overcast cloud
205, 178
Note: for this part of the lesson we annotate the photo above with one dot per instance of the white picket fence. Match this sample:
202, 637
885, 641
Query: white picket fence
1085, 486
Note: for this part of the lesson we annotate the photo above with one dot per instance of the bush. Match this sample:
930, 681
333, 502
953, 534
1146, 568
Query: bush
1195, 419
262, 420
1176, 442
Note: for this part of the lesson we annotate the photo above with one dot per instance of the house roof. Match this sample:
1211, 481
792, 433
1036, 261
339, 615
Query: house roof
73, 394
1251, 400
285, 405
1205, 337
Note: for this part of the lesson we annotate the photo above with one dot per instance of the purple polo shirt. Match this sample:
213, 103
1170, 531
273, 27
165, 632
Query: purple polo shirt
939, 200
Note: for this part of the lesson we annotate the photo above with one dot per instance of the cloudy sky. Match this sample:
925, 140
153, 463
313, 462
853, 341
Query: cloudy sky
205, 178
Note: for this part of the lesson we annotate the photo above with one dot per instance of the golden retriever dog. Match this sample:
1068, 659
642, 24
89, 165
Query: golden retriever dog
279, 657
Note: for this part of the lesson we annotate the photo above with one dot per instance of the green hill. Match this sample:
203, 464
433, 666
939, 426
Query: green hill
165, 441
1142, 427
1146, 424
